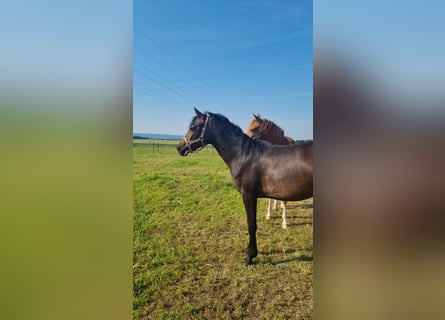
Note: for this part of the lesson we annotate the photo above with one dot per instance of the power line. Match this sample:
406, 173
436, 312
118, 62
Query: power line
185, 67
157, 61
166, 87
162, 98
168, 82
154, 94
176, 74
168, 54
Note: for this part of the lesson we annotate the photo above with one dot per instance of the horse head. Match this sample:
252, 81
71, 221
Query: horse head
254, 129
194, 138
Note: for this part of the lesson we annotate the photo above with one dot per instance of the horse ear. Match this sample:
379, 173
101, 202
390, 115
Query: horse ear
198, 113
257, 116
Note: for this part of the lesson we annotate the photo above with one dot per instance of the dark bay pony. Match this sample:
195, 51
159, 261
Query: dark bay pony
266, 130
258, 169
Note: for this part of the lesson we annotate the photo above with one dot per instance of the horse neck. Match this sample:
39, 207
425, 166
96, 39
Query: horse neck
228, 143
273, 134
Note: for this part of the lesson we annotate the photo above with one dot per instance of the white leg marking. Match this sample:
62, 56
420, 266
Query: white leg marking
284, 224
268, 209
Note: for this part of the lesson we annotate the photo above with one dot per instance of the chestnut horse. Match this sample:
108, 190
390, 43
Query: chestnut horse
266, 130
258, 169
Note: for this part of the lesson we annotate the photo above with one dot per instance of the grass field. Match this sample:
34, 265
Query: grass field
189, 233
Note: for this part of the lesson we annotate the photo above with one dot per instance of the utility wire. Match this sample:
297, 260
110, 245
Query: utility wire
184, 66
175, 73
166, 87
162, 98
168, 82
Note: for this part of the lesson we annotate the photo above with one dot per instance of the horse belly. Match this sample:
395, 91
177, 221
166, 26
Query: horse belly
287, 185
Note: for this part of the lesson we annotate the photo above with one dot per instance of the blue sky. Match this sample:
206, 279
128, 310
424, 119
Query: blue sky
230, 57
65, 48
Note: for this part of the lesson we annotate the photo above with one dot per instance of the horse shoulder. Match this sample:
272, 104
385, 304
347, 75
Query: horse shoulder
245, 174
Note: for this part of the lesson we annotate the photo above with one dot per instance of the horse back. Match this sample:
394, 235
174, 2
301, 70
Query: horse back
278, 171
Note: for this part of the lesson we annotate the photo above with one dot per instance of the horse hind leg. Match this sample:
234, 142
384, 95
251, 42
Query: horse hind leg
284, 224
269, 206
275, 204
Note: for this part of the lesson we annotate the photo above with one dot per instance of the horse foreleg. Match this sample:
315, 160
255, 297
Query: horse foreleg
269, 206
250, 203
284, 224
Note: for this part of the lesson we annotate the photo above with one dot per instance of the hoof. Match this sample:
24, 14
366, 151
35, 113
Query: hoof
284, 226
268, 217
250, 254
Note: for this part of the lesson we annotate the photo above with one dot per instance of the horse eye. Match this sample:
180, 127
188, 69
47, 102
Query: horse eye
194, 127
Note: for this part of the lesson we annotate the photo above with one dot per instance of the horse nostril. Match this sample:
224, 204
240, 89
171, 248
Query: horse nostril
180, 145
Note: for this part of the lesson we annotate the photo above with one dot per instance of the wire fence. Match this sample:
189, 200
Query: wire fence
164, 146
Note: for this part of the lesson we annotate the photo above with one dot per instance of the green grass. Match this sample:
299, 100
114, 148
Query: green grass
189, 233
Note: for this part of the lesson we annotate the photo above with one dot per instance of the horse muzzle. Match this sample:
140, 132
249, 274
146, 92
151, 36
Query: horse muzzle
183, 148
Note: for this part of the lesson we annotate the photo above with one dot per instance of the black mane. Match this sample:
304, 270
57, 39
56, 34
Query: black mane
231, 126
248, 145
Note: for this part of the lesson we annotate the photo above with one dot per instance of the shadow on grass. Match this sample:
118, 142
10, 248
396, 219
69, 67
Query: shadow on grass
294, 224
290, 216
270, 254
299, 224
302, 258
300, 206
